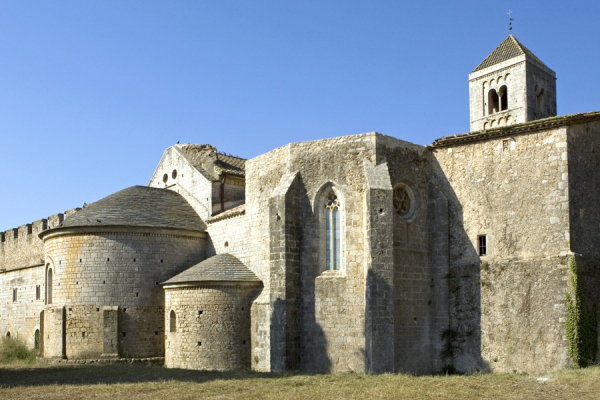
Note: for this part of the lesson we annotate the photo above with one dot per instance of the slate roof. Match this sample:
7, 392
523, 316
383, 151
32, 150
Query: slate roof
219, 268
141, 206
509, 48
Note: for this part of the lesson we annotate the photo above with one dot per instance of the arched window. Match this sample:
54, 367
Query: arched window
329, 210
493, 102
503, 94
172, 322
36, 339
332, 228
49, 286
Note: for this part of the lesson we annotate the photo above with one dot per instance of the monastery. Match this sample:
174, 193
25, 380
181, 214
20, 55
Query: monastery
361, 253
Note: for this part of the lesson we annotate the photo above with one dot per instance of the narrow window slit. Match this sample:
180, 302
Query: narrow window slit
482, 244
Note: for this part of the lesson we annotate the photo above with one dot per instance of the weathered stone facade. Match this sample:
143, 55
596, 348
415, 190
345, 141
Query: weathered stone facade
361, 253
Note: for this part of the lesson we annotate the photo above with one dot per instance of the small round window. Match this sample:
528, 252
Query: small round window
404, 201
174, 174
165, 178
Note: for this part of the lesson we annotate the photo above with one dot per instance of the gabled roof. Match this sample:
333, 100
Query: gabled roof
230, 164
137, 206
509, 48
217, 269
211, 163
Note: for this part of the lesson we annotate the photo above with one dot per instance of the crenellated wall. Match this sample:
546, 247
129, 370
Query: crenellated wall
21, 247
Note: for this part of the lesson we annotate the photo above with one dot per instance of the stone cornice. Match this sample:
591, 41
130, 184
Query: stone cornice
520, 129
234, 212
120, 230
201, 284
4, 271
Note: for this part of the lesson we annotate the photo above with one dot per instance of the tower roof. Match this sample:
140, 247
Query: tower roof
509, 48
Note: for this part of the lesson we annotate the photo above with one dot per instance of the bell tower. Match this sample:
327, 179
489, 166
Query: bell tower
511, 86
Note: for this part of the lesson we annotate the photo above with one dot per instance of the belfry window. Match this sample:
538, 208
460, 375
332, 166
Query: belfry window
493, 102
503, 95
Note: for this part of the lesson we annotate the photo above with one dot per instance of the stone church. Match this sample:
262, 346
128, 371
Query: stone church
361, 253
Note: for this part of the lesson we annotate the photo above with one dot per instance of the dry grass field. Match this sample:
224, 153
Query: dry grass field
62, 381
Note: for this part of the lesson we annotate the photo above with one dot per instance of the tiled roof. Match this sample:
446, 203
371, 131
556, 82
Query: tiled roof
138, 206
517, 129
233, 212
220, 268
230, 164
211, 163
509, 48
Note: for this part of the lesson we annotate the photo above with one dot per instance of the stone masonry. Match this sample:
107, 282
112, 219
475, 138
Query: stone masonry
361, 253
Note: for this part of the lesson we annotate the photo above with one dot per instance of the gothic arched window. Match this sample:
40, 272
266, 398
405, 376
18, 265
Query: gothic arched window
333, 250
329, 210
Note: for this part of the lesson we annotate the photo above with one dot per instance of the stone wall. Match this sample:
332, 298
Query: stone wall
333, 303
175, 172
211, 327
21, 247
420, 307
21, 317
584, 197
523, 314
230, 235
543, 84
494, 190
117, 269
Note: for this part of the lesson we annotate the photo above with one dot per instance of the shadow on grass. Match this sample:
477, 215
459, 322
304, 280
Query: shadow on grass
36, 375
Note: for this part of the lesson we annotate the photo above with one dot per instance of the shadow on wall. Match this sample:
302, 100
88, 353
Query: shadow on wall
462, 340
310, 342
315, 361
379, 325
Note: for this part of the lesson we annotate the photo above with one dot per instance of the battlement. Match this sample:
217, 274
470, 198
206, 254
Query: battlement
21, 247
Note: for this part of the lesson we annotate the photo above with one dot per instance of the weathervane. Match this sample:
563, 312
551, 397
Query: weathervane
510, 20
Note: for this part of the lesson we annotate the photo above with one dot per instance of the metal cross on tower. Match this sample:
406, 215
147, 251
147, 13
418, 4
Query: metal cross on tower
510, 20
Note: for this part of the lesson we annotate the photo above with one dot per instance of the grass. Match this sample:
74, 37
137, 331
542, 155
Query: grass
13, 350
60, 381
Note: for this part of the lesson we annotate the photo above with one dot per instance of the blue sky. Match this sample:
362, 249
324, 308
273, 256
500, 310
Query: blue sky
92, 92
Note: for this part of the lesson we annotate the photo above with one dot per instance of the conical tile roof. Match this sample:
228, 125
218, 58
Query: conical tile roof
138, 206
219, 268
